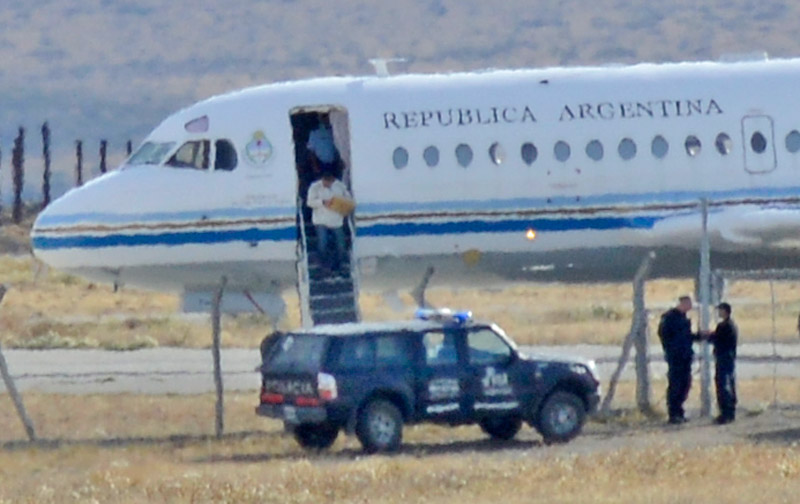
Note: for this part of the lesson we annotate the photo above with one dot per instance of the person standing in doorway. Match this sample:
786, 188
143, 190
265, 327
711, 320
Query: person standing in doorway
724, 339
328, 218
321, 148
675, 332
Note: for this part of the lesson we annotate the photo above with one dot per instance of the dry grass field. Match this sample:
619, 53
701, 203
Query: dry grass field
46, 309
135, 448
158, 449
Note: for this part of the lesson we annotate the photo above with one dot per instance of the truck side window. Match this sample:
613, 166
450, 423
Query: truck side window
486, 347
394, 351
440, 348
356, 353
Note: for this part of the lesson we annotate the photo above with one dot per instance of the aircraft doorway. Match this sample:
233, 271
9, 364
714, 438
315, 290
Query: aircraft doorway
758, 141
326, 280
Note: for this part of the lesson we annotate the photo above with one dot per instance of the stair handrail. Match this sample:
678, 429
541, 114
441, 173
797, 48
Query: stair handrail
353, 267
303, 275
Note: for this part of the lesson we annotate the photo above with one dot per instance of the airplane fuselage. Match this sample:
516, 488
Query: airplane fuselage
488, 176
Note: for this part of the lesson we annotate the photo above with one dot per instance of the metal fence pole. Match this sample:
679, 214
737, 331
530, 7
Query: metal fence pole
12, 389
215, 352
705, 301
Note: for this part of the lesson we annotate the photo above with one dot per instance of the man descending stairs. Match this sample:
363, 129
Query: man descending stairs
328, 249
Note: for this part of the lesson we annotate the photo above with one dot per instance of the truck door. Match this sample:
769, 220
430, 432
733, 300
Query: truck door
441, 383
491, 379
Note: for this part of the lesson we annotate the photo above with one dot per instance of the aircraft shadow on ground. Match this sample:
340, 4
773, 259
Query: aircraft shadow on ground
407, 449
177, 440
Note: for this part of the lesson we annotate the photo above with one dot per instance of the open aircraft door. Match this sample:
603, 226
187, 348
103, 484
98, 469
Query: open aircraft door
758, 141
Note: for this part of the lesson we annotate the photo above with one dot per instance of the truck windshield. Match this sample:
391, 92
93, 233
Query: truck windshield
151, 153
297, 353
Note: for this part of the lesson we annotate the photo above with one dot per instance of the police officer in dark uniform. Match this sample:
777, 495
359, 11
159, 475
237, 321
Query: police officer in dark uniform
675, 331
724, 339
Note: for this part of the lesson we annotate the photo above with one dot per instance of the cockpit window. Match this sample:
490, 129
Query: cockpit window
192, 154
225, 157
151, 153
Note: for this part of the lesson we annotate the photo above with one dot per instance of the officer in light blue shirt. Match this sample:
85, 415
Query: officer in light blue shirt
323, 151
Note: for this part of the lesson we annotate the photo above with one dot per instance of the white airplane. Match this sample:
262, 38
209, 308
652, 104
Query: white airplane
495, 176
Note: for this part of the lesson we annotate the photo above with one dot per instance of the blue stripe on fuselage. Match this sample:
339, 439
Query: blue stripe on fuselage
167, 239
375, 230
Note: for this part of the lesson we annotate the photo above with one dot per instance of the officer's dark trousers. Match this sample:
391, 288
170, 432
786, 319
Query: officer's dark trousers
725, 380
679, 376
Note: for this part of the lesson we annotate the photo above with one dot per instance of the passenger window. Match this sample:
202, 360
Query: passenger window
394, 351
594, 150
431, 156
561, 151
529, 153
440, 348
758, 142
400, 158
659, 147
693, 145
356, 353
626, 149
497, 153
724, 144
486, 347
191, 155
225, 157
793, 141
464, 155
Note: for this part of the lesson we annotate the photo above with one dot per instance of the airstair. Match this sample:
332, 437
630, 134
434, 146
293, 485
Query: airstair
325, 297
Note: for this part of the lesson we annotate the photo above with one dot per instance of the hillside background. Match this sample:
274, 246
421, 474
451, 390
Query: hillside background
114, 69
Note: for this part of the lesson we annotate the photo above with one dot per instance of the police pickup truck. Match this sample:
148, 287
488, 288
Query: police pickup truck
442, 367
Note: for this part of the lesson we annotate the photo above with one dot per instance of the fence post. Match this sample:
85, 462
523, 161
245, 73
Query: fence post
18, 164
1, 187
637, 335
12, 389
705, 301
103, 146
79, 163
46, 157
215, 352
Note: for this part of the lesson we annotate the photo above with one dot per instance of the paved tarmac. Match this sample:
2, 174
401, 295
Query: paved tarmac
189, 371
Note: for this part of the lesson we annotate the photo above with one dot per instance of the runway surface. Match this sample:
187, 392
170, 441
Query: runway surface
189, 371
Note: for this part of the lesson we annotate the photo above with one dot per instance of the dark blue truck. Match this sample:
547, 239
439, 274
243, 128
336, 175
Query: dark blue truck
372, 378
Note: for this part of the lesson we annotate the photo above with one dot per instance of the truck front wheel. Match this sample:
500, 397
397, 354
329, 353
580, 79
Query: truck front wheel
561, 417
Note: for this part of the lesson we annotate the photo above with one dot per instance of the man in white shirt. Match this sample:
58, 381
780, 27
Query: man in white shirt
328, 221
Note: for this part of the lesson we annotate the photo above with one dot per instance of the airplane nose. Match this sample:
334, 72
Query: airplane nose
53, 225
60, 229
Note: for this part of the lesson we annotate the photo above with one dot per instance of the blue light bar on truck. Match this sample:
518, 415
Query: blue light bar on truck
443, 315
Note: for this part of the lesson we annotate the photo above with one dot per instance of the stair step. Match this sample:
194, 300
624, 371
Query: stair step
326, 304
336, 317
344, 282
327, 290
333, 295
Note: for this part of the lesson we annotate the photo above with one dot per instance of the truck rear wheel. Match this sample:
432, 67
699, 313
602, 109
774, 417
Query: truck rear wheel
561, 417
316, 436
380, 426
503, 428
